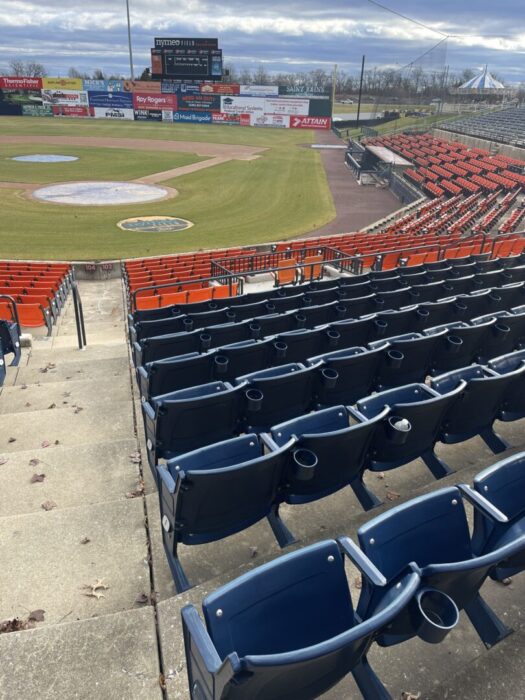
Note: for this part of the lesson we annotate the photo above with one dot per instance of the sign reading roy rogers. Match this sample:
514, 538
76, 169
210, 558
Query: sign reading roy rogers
165, 100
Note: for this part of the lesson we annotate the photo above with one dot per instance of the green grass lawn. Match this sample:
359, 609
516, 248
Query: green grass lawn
281, 194
340, 108
93, 163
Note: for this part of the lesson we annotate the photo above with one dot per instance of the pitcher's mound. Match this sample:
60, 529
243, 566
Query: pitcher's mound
101, 193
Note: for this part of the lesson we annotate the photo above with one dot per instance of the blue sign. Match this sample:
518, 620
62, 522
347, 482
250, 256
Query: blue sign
103, 85
193, 117
180, 87
122, 100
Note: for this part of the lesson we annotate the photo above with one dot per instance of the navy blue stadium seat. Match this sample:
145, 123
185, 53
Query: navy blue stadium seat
410, 276
503, 485
216, 491
321, 296
231, 361
515, 274
427, 292
311, 316
438, 265
225, 334
159, 326
275, 395
10, 341
331, 450
296, 346
174, 373
297, 640
388, 284
394, 299
351, 280
162, 346
488, 265
430, 533
359, 331
463, 269
278, 305
401, 321
411, 428
478, 405
494, 278
507, 334
245, 311
190, 418
458, 285
405, 359
343, 376
471, 305
152, 314
438, 275
504, 298
353, 291
262, 326
513, 404
359, 306
460, 346
411, 270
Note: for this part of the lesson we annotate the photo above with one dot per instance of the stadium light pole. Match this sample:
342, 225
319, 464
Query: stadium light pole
129, 43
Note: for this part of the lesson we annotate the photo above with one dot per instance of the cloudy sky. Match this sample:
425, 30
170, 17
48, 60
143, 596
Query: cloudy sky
285, 35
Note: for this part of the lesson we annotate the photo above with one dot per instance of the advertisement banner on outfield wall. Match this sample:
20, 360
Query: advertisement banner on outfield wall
37, 110
180, 87
259, 90
122, 100
148, 115
71, 111
286, 106
200, 103
158, 100
64, 97
20, 83
142, 86
103, 85
62, 83
112, 113
310, 122
193, 117
221, 118
275, 121
13, 101
242, 105
305, 90
220, 88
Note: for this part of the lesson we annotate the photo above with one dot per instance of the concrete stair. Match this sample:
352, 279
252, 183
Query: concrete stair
105, 524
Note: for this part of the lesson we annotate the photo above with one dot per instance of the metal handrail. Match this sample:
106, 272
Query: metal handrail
79, 315
14, 309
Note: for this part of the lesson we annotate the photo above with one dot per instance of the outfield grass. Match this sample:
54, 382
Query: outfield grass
340, 108
281, 194
92, 164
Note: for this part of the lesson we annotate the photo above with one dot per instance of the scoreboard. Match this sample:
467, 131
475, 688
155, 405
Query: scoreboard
183, 59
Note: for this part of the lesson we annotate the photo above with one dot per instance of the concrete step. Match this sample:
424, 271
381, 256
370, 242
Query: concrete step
93, 351
74, 476
66, 426
110, 657
41, 371
50, 559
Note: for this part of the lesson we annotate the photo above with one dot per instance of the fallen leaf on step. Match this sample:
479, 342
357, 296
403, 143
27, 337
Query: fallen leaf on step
135, 458
48, 505
142, 599
392, 495
407, 695
53, 405
36, 478
78, 409
11, 439
162, 681
57, 442
381, 475
36, 615
85, 540
45, 443
254, 552
95, 588
33, 462
3, 460
24, 386
358, 582
139, 491
506, 581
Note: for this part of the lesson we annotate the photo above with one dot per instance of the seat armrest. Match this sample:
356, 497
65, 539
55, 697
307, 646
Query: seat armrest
482, 504
363, 563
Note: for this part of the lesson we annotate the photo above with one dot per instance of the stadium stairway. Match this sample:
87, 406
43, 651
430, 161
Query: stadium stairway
105, 525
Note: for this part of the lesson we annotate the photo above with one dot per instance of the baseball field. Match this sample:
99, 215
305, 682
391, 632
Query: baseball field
236, 185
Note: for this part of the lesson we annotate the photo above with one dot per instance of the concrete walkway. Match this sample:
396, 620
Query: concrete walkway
80, 539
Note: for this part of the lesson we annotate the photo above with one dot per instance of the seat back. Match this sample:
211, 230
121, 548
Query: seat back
162, 346
312, 267
513, 404
286, 276
459, 346
356, 375
296, 346
405, 359
237, 359
172, 374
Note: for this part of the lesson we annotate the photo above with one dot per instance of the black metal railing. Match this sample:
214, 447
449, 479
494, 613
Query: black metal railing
14, 310
79, 315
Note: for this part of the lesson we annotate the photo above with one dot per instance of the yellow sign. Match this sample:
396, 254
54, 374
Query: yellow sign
62, 83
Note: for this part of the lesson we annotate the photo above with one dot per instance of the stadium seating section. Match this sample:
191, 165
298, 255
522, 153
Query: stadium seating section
38, 289
504, 126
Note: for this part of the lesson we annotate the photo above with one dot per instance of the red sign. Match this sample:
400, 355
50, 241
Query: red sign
70, 111
310, 122
220, 88
244, 120
222, 118
148, 86
147, 100
20, 83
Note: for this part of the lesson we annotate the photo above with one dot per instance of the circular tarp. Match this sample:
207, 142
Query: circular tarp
154, 224
45, 158
100, 193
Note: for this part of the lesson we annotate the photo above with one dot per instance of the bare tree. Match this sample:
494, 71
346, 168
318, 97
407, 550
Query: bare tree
29, 69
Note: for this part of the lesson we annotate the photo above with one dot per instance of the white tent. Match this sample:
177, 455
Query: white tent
483, 81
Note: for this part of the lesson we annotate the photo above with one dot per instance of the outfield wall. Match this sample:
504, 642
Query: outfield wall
285, 107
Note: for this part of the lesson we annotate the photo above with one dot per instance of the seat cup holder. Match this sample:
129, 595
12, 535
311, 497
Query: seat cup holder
281, 293
212, 305
254, 398
414, 293
221, 364
301, 320
330, 377
423, 313
454, 343
380, 302
270, 306
380, 326
205, 339
501, 331
340, 311
188, 324
280, 349
230, 315
435, 615
255, 330
307, 301
397, 429
305, 462
395, 358
448, 287
333, 337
